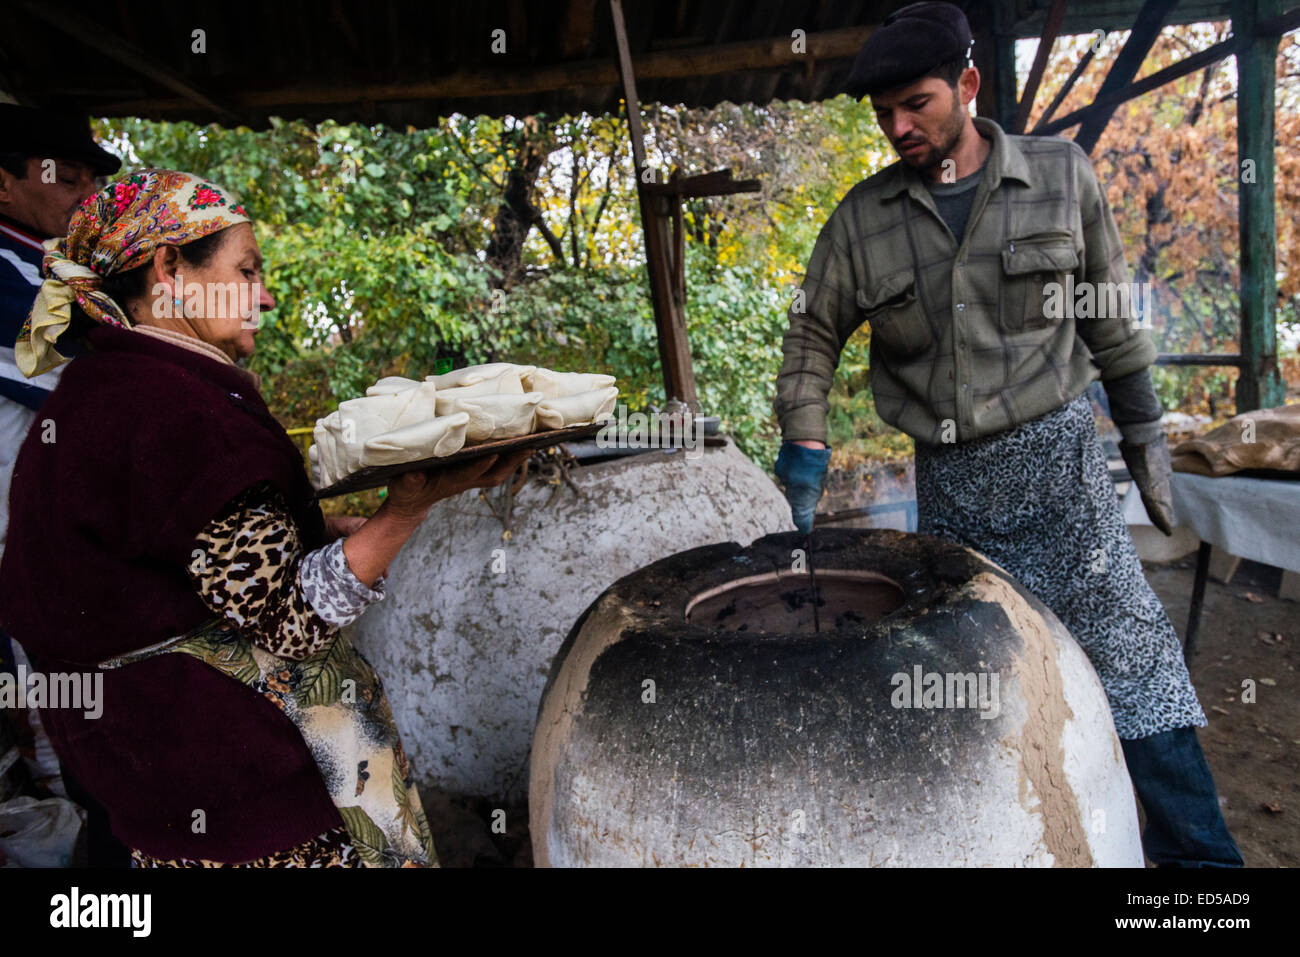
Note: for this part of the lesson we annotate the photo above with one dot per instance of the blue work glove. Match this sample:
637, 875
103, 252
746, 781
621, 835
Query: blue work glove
803, 473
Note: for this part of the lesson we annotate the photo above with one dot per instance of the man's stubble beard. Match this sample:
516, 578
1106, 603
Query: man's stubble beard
951, 133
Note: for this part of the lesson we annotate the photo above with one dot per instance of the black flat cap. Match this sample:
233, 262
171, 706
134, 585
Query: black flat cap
50, 135
911, 42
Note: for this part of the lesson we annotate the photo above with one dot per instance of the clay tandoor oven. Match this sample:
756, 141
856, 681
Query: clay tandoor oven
942, 716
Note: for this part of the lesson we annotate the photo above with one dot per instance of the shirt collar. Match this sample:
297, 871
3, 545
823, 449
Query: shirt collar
1006, 161
20, 232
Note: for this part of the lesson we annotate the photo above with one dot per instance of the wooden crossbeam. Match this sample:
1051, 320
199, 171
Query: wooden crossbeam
627, 75
1274, 27
104, 42
1065, 89
1051, 29
579, 28
717, 183
1108, 104
1278, 25
1146, 28
703, 61
1192, 359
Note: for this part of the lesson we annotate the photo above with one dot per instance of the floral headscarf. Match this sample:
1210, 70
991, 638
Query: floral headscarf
115, 230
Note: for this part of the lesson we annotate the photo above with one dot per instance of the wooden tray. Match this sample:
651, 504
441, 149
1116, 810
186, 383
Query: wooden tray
378, 475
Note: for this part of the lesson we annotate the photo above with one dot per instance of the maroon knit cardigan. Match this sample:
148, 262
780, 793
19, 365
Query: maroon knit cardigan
149, 442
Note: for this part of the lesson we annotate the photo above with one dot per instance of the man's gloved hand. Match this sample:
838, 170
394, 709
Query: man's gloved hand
1147, 456
803, 473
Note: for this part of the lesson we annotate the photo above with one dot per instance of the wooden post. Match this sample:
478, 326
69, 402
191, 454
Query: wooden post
1260, 385
656, 225
995, 57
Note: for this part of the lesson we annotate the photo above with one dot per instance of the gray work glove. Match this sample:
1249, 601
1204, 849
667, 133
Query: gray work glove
1147, 456
803, 472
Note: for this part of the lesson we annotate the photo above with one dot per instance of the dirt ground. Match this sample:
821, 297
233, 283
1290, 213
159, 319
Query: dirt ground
1253, 748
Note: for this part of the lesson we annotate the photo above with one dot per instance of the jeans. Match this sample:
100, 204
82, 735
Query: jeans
1185, 827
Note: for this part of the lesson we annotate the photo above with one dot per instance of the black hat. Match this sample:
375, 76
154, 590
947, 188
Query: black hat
910, 43
31, 132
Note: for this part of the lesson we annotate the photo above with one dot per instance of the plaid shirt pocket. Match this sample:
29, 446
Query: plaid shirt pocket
1031, 263
898, 322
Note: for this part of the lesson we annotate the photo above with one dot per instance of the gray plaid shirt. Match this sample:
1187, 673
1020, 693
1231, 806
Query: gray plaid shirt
962, 345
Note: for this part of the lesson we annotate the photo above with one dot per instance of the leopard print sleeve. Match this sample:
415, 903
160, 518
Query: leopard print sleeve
248, 565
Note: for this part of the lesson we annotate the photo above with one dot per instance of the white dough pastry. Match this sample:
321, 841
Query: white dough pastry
497, 416
581, 409
474, 374
507, 383
441, 436
362, 419
333, 459
392, 383
421, 405
369, 411
313, 461
554, 385
346, 459
404, 420
326, 452
341, 437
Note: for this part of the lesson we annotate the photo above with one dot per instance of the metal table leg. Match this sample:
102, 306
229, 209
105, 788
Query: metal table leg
1198, 599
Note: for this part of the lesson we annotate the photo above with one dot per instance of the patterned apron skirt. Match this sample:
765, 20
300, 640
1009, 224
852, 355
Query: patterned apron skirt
337, 702
1038, 500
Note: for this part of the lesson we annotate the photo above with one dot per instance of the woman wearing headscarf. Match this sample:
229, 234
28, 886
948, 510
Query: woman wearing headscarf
164, 540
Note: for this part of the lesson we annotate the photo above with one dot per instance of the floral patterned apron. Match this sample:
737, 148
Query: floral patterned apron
337, 703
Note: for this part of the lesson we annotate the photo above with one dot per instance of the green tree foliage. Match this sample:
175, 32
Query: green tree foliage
519, 239
1169, 162
377, 240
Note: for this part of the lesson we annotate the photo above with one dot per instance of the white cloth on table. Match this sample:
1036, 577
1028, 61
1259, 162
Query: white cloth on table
1252, 518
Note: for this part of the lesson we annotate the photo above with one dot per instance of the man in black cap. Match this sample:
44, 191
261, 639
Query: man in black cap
48, 165
955, 256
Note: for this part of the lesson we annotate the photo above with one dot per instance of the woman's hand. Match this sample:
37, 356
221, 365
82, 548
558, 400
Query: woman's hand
369, 549
414, 492
341, 526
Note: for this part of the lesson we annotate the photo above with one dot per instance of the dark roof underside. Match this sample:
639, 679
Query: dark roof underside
403, 62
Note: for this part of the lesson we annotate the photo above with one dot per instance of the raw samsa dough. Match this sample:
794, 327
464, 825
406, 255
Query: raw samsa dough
554, 385
402, 420
494, 416
507, 383
441, 436
474, 374
421, 405
392, 383
581, 409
